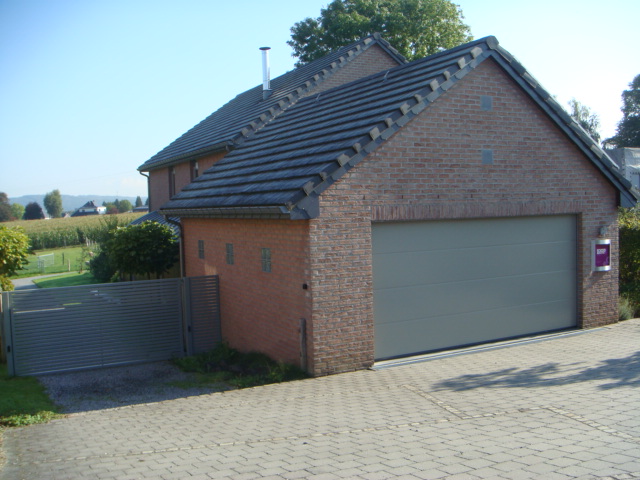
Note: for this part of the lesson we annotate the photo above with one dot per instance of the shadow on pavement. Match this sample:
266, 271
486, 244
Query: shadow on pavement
620, 372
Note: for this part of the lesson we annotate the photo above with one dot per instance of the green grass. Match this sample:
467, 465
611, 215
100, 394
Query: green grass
66, 280
240, 370
65, 260
23, 401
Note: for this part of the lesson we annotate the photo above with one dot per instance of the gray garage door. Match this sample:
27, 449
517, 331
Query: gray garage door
449, 283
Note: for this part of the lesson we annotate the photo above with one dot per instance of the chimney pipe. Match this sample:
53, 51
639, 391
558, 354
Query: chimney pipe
266, 80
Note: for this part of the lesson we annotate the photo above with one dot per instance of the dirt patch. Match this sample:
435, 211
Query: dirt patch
121, 386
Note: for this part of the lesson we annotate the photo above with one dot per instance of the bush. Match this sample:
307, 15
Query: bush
629, 234
101, 268
626, 310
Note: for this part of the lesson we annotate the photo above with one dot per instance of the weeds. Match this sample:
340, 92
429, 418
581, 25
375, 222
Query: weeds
240, 370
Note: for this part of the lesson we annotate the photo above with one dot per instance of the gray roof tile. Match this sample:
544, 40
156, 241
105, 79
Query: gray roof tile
284, 167
248, 112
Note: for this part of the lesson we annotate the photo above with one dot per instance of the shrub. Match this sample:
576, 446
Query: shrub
626, 310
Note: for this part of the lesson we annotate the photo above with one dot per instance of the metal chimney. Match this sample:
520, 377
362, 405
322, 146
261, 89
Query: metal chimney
266, 75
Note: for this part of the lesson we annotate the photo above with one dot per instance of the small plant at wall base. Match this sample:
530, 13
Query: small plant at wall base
241, 370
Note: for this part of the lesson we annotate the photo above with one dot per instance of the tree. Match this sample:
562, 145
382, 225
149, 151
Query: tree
14, 245
586, 119
416, 28
53, 203
33, 211
5, 208
138, 201
17, 210
124, 206
628, 130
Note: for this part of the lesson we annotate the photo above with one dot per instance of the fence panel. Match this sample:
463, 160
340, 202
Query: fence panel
203, 313
63, 329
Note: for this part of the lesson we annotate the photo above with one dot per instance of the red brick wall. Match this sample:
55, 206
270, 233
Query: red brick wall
159, 179
432, 169
259, 310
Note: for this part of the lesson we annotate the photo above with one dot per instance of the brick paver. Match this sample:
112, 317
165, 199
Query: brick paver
566, 407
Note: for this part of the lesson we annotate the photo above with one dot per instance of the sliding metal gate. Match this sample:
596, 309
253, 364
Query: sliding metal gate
89, 326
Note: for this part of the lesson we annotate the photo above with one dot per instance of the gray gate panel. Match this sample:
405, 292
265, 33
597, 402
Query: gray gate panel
96, 325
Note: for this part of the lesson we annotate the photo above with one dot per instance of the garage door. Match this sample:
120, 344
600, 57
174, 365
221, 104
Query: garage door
441, 284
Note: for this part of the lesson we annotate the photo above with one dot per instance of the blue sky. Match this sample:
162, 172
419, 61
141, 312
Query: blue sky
89, 90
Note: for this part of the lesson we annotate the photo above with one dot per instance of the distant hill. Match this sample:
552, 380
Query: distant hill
71, 203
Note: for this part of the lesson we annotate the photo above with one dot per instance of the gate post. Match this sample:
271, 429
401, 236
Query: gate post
187, 327
6, 336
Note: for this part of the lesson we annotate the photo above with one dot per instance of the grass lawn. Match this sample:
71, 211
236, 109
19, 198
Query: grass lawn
66, 280
23, 401
68, 259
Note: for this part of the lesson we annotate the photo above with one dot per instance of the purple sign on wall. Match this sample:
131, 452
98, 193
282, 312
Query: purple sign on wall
601, 255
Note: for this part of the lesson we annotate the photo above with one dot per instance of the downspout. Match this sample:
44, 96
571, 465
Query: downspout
180, 243
148, 189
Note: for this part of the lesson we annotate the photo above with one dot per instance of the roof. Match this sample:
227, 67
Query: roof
282, 169
232, 123
157, 217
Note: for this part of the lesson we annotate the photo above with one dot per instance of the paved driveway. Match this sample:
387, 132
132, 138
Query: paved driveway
567, 407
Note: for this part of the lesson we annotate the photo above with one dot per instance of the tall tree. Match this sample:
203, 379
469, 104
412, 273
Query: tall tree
588, 120
33, 211
628, 131
138, 201
416, 28
5, 208
53, 203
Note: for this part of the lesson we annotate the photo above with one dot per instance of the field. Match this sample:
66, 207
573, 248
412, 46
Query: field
64, 260
63, 232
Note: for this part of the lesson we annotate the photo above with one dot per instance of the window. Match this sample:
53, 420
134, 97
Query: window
230, 258
172, 181
266, 259
200, 248
195, 169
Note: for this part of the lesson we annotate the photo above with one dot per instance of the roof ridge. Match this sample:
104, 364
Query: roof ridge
354, 50
274, 105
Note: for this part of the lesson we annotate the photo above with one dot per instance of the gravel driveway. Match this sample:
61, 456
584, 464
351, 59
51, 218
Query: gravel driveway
112, 387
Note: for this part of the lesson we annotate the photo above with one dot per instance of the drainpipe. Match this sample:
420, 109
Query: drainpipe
180, 243
148, 189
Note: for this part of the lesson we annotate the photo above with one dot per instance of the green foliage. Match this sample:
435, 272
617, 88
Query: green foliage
138, 201
17, 210
102, 268
416, 28
628, 130
148, 248
23, 401
14, 247
626, 309
629, 234
588, 120
242, 370
53, 203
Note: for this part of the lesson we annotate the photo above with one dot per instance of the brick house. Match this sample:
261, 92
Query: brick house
443, 202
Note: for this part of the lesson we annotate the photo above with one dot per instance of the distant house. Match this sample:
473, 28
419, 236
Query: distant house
89, 208
628, 161
414, 207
